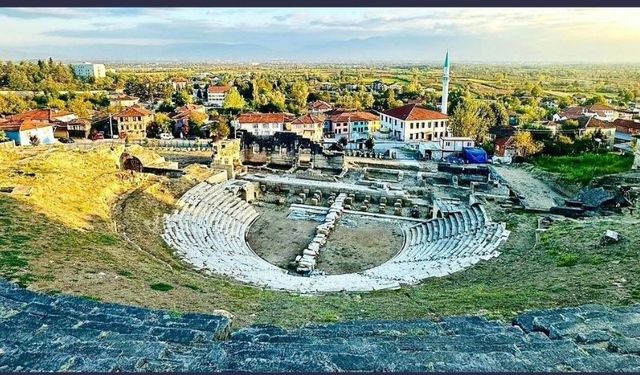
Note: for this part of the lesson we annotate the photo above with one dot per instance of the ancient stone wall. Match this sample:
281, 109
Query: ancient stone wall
61, 333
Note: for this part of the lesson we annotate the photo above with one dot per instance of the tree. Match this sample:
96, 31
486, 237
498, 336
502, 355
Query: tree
220, 129
234, 101
10, 104
299, 94
536, 91
472, 118
390, 99
3, 136
163, 121
597, 99
343, 140
570, 124
369, 143
182, 98
525, 144
500, 113
56, 103
198, 118
166, 107
34, 140
80, 107
564, 102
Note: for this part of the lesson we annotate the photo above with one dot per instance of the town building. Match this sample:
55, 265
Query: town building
133, 121
261, 124
123, 100
444, 147
308, 126
505, 147
179, 84
182, 115
22, 132
627, 126
414, 123
354, 125
89, 70
215, 95
588, 125
319, 106
599, 111
65, 124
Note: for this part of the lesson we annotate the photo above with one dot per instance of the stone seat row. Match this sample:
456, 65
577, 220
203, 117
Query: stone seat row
209, 226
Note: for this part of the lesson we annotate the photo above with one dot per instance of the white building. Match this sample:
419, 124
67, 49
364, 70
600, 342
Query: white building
123, 100
413, 123
88, 70
216, 95
445, 146
261, 124
21, 132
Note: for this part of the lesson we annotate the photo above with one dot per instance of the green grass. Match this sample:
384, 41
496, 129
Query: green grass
567, 268
582, 169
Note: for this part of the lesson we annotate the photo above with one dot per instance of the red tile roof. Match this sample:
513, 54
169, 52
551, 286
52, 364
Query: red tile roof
573, 112
190, 107
307, 119
44, 115
134, 111
22, 125
218, 89
320, 105
353, 116
595, 123
624, 125
262, 118
413, 112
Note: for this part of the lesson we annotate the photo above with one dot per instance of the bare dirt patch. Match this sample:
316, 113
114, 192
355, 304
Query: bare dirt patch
278, 239
359, 243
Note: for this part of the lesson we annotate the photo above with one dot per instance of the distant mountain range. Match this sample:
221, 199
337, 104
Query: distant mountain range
388, 49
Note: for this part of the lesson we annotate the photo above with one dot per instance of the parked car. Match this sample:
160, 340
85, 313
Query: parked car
166, 136
65, 140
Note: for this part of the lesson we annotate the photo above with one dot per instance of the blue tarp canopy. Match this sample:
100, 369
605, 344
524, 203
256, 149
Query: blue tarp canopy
475, 155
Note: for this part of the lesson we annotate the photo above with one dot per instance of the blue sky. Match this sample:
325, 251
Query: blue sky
323, 34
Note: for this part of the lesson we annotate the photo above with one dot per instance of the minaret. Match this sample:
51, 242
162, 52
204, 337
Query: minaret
445, 84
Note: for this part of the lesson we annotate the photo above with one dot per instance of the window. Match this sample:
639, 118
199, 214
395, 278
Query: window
410, 125
429, 124
447, 144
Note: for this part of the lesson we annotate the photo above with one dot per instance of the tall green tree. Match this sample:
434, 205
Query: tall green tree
234, 101
299, 94
472, 118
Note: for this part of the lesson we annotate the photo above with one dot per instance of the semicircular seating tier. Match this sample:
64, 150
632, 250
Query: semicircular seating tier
210, 223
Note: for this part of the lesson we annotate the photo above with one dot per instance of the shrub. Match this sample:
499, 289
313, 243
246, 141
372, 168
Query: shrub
161, 287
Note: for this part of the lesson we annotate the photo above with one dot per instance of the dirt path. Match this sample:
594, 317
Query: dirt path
537, 194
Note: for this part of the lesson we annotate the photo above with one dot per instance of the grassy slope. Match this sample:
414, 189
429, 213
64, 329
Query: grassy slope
584, 168
48, 255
